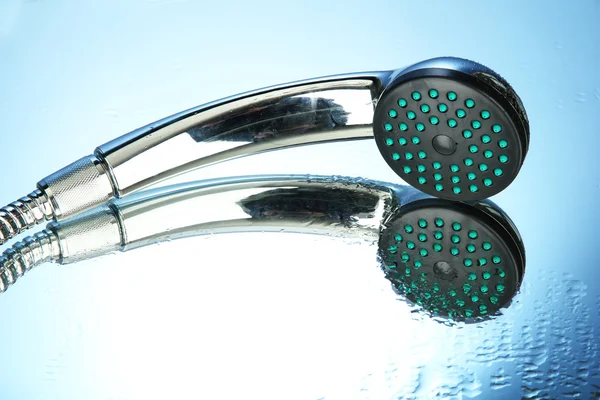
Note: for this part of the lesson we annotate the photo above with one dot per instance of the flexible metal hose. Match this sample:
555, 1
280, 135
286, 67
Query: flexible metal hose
23, 256
23, 214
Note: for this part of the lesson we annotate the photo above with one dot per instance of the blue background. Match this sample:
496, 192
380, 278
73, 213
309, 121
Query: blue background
211, 317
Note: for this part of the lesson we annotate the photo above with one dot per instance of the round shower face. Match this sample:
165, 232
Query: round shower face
450, 134
451, 259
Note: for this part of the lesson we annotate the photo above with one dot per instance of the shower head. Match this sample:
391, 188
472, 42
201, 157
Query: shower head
457, 260
453, 259
450, 127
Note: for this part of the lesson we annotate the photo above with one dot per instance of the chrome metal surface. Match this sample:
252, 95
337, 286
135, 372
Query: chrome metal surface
23, 214
91, 234
77, 187
317, 110
333, 206
23, 256
84, 236
73, 189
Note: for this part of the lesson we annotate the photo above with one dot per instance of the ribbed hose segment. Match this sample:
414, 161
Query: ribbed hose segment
24, 214
23, 256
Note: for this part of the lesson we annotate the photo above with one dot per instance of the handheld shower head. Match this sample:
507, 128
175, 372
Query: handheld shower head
452, 128
420, 245
448, 126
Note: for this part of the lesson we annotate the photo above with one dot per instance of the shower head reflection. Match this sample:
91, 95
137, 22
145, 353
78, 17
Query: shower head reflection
463, 261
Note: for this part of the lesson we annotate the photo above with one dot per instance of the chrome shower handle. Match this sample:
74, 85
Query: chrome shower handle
316, 110
325, 109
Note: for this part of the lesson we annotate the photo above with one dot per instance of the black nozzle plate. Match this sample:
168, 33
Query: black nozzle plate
451, 259
448, 138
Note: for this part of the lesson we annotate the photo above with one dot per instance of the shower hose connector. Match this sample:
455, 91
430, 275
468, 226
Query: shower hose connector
78, 187
90, 234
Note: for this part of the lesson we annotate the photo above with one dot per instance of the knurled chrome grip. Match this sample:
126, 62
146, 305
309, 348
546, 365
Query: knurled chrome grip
78, 187
91, 234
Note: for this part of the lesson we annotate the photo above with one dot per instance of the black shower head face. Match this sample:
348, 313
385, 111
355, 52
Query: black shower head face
451, 259
451, 134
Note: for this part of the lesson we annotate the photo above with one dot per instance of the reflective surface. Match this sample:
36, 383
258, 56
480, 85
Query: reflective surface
469, 276
289, 316
318, 110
